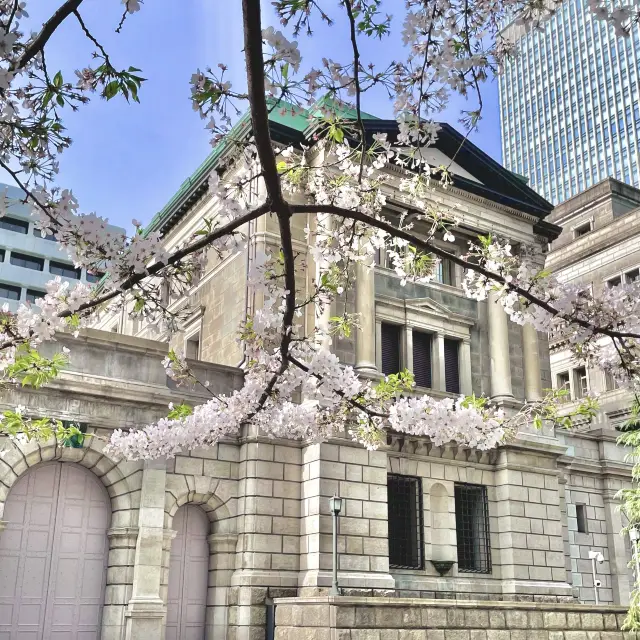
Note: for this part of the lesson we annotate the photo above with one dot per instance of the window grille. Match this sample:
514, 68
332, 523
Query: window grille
422, 359
404, 497
472, 528
451, 365
390, 348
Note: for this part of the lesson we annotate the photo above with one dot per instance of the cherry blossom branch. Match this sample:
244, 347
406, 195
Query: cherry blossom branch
48, 29
427, 246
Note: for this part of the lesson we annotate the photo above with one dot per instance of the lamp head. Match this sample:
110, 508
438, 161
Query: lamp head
335, 504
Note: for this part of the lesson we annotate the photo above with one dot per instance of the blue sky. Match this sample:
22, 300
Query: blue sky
128, 160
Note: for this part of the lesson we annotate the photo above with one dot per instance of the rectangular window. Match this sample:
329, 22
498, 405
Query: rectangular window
610, 382
404, 497
581, 517
390, 348
422, 358
9, 291
38, 233
63, 269
581, 383
193, 347
32, 294
563, 381
451, 365
632, 276
614, 282
94, 277
445, 272
14, 224
1, 255
28, 262
582, 230
472, 528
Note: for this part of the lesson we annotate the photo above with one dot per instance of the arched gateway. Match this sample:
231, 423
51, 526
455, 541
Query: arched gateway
53, 554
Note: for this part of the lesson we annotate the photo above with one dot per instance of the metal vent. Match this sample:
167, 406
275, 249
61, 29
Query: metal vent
472, 528
404, 497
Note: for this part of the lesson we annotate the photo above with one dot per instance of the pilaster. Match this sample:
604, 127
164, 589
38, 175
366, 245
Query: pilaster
146, 611
465, 368
366, 309
532, 375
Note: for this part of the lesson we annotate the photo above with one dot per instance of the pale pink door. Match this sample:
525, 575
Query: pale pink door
53, 555
188, 575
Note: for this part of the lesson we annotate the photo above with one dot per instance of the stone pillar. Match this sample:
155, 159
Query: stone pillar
222, 556
499, 350
366, 308
532, 377
323, 314
465, 368
438, 381
618, 555
146, 612
407, 348
378, 346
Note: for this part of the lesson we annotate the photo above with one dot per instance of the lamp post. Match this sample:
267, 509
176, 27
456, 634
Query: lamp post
634, 536
335, 504
595, 556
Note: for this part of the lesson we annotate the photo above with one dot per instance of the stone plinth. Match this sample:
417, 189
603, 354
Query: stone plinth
351, 618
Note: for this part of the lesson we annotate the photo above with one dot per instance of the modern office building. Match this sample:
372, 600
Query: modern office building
27, 259
569, 103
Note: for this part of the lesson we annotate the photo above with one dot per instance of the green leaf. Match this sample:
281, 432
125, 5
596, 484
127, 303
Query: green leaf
111, 89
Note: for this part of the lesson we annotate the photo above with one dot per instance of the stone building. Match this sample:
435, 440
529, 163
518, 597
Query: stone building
201, 545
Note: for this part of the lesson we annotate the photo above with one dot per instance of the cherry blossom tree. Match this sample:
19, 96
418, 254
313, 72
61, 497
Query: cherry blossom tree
294, 386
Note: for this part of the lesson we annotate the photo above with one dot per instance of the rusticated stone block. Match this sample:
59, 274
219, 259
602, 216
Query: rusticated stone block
411, 617
516, 619
497, 620
434, 618
554, 620
476, 619
365, 617
455, 619
387, 617
592, 621
457, 634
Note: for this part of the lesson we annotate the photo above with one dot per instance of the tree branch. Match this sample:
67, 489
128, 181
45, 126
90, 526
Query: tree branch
48, 29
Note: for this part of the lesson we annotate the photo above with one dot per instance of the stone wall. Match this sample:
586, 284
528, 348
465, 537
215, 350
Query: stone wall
353, 618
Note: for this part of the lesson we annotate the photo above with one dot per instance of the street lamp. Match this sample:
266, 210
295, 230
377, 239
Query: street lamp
335, 504
595, 556
634, 536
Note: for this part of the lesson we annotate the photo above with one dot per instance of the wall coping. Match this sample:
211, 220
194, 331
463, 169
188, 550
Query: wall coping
349, 601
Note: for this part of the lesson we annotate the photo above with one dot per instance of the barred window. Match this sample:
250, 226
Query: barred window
404, 497
472, 528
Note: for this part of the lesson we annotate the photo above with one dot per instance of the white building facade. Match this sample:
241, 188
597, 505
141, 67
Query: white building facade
28, 260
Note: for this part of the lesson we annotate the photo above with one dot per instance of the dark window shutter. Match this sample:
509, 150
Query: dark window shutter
390, 348
451, 366
404, 499
422, 358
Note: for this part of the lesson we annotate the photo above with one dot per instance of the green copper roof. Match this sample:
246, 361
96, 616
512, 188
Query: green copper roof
286, 114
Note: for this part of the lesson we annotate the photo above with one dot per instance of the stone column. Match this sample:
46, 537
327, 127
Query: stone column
618, 555
465, 368
438, 381
499, 350
366, 308
378, 345
407, 348
146, 612
532, 377
323, 315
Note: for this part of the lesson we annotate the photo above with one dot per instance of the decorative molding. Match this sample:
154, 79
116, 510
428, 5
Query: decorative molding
416, 446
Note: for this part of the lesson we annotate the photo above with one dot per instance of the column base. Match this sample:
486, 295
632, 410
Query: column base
145, 618
366, 368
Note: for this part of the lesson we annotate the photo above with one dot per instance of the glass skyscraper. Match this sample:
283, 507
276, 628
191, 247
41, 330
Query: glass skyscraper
569, 103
